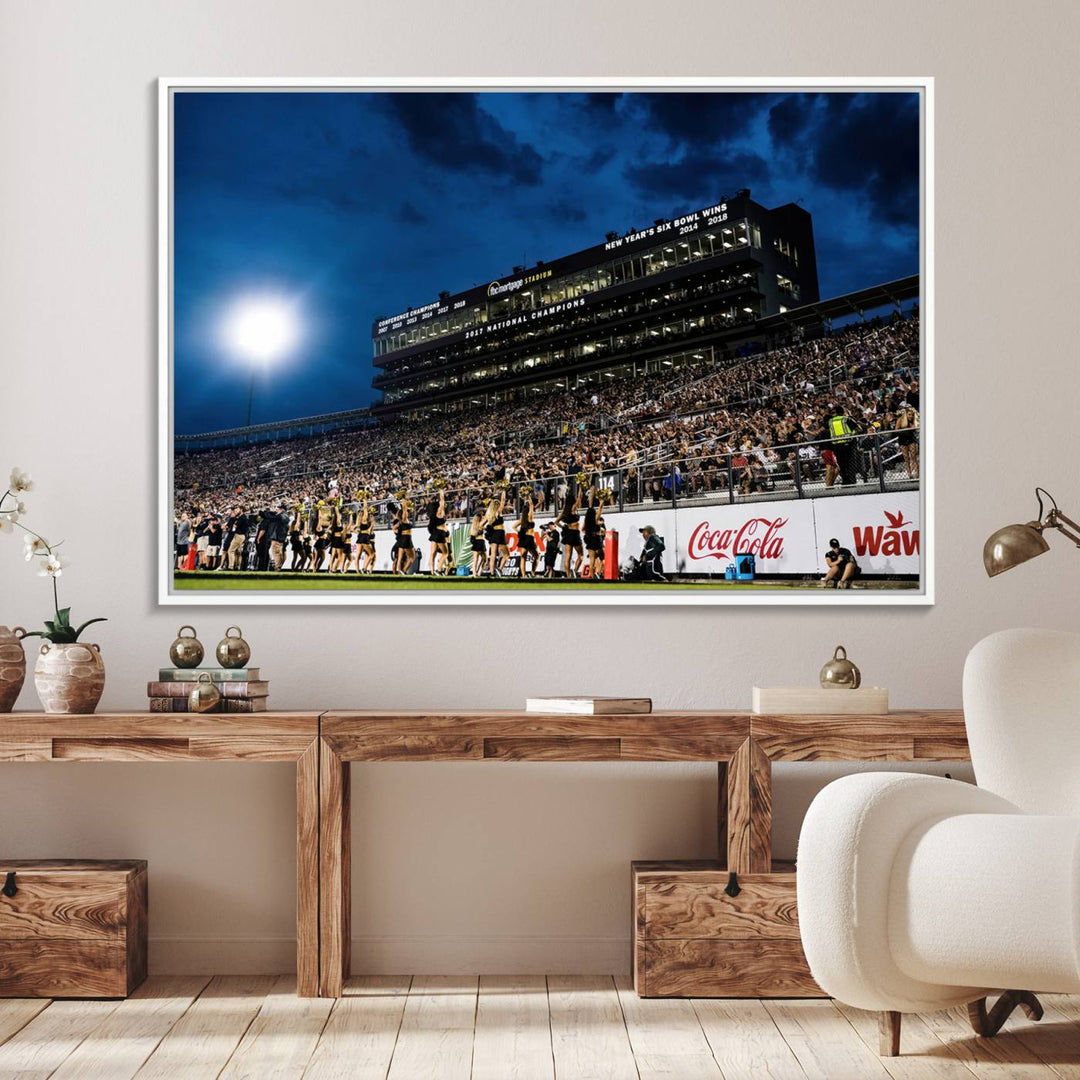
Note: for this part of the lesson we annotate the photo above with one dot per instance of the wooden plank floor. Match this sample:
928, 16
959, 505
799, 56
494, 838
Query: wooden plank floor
524, 1027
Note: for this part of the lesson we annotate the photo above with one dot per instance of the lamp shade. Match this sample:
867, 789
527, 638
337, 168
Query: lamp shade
1012, 545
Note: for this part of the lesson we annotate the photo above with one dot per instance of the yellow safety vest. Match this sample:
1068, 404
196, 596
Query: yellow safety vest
840, 430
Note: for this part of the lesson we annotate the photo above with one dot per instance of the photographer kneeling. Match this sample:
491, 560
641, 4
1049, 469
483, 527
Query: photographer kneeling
842, 567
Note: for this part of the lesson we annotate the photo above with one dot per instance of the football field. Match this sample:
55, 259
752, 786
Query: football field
215, 580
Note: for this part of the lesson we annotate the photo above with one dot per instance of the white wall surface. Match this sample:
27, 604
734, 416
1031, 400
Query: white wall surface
494, 867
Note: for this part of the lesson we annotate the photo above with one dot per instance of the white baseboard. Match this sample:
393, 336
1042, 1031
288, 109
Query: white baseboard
430, 954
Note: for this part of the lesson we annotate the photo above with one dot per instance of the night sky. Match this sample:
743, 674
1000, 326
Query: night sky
350, 206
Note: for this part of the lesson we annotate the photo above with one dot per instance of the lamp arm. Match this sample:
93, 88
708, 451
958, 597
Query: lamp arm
1056, 519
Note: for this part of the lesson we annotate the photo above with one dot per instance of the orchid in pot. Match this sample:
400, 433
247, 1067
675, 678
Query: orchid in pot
69, 675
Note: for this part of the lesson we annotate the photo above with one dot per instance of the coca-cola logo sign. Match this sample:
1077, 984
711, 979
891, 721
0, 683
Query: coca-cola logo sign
761, 537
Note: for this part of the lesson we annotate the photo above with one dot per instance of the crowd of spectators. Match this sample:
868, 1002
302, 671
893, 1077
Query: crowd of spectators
697, 426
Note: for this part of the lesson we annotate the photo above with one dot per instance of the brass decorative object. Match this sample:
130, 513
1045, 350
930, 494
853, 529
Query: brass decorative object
204, 696
1014, 544
840, 673
12, 666
186, 652
233, 652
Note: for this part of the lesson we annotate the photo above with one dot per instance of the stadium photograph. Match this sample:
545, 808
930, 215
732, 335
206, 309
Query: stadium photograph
520, 344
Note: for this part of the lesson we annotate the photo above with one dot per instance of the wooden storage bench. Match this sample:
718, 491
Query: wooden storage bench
693, 939
72, 928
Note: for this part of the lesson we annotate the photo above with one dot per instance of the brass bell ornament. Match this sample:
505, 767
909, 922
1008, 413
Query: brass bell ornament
186, 652
840, 673
233, 652
204, 696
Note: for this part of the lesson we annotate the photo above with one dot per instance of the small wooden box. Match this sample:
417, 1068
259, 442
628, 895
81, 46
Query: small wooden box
691, 939
72, 928
818, 701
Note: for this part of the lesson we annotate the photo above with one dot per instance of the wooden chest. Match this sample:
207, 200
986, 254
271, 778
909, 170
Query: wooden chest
693, 939
71, 928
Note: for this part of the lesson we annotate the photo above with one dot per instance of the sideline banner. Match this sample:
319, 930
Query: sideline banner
883, 531
786, 537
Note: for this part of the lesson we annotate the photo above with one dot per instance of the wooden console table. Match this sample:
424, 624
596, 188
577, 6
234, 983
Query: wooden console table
136, 736
323, 745
742, 744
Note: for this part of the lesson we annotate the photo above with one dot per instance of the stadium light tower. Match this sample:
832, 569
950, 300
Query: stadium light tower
261, 330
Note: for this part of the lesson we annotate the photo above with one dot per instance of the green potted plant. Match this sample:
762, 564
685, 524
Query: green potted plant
69, 674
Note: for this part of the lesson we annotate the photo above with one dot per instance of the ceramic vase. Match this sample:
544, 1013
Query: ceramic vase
69, 678
12, 666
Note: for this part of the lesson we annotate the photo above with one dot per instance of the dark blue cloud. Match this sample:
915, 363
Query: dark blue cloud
453, 131
357, 204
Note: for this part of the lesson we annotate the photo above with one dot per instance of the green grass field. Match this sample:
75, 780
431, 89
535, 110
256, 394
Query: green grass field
229, 580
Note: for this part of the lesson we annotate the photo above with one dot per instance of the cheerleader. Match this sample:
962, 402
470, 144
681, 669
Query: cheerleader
437, 534
322, 542
497, 535
403, 527
476, 542
296, 542
570, 521
594, 536
365, 539
337, 542
526, 533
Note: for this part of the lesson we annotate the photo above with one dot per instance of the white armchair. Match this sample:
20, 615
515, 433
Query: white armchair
918, 893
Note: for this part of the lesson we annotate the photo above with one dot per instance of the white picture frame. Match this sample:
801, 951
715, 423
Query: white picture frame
168, 595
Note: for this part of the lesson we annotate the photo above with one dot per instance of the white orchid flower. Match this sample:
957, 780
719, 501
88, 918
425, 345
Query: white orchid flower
8, 519
53, 566
20, 481
34, 545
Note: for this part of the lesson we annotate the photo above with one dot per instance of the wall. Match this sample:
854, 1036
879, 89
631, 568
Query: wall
516, 866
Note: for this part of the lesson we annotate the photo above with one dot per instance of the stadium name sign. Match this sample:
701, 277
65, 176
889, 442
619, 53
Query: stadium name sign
518, 320
497, 289
681, 226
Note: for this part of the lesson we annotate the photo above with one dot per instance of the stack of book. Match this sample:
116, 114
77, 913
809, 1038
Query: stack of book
241, 689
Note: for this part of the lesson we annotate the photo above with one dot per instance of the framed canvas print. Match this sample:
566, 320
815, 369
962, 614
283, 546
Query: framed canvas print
546, 341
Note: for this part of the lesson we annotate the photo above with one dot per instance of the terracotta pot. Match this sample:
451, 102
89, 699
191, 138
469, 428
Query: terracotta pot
69, 678
12, 666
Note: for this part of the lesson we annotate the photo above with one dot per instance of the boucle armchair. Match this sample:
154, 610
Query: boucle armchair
919, 893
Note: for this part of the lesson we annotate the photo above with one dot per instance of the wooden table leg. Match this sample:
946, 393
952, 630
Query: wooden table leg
334, 872
307, 872
722, 813
749, 810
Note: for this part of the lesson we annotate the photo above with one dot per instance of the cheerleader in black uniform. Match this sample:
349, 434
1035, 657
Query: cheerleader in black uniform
337, 542
497, 535
570, 521
365, 539
296, 542
322, 542
438, 535
403, 526
526, 534
476, 542
594, 536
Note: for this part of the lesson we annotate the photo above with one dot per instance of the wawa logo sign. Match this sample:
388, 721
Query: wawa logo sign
762, 537
896, 538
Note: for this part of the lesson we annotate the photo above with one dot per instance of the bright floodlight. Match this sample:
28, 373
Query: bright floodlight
262, 329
